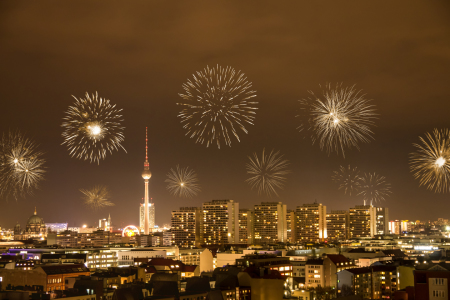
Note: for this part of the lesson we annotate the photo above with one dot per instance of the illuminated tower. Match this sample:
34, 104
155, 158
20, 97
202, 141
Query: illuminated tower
146, 174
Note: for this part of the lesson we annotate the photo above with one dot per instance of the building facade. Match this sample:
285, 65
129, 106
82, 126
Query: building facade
362, 221
382, 220
186, 227
151, 216
246, 228
337, 225
270, 223
291, 236
221, 222
311, 222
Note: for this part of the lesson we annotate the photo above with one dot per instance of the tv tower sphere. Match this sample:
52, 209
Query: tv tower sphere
146, 174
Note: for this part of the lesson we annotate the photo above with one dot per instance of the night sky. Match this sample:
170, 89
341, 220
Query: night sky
138, 54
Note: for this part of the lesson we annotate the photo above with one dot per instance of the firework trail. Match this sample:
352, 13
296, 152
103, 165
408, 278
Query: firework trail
267, 172
430, 164
348, 179
217, 102
97, 197
92, 128
21, 166
182, 182
340, 120
374, 188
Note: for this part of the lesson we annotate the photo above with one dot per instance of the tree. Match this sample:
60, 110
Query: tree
346, 290
324, 293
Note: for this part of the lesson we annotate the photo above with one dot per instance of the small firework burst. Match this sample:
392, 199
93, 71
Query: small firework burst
267, 172
182, 182
217, 102
348, 179
97, 197
342, 119
431, 161
21, 166
374, 188
92, 128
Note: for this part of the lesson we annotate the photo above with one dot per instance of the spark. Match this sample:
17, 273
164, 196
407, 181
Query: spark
182, 182
92, 128
348, 179
21, 166
341, 119
430, 164
267, 172
97, 197
217, 102
374, 188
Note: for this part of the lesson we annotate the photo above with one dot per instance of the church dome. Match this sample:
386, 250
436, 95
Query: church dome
35, 219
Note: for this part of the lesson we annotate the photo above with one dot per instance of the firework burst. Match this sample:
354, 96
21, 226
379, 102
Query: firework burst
182, 182
267, 172
97, 197
21, 166
431, 162
348, 179
342, 119
92, 128
217, 102
374, 188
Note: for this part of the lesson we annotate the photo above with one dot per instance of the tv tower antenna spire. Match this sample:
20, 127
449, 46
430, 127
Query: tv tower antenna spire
146, 174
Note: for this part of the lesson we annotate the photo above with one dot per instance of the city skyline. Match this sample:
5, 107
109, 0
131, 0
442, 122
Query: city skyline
140, 59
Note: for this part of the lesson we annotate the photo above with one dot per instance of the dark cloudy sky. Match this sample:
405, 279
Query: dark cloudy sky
138, 54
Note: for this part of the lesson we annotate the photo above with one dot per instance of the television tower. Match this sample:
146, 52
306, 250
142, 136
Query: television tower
146, 174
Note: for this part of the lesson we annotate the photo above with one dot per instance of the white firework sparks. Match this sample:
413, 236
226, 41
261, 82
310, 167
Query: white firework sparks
348, 179
217, 102
267, 172
374, 187
21, 166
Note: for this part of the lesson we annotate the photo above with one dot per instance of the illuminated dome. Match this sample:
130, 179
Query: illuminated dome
35, 219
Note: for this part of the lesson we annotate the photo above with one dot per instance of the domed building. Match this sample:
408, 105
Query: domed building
35, 226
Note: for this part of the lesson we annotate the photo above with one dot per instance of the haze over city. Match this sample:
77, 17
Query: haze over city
139, 55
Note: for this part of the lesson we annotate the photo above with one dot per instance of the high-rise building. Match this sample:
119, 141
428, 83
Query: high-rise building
337, 225
151, 216
382, 220
187, 227
146, 175
311, 222
362, 221
221, 222
105, 224
291, 226
395, 227
270, 223
246, 230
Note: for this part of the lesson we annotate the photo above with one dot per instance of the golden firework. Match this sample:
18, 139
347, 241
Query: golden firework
97, 197
92, 128
430, 164
182, 182
340, 119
